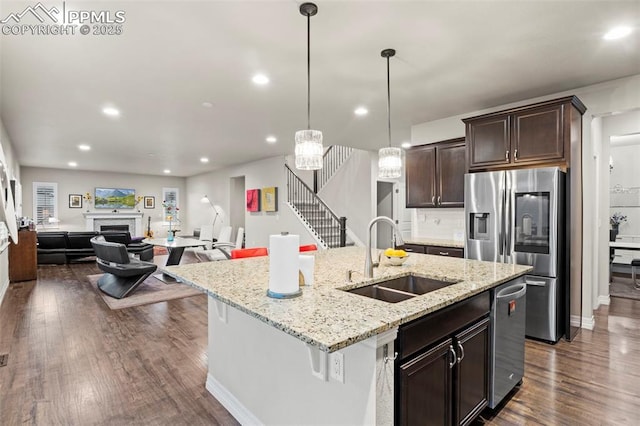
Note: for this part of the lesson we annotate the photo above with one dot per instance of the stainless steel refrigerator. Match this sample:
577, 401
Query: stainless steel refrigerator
515, 216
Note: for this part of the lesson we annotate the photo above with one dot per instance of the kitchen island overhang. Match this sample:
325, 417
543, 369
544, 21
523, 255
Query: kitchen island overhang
271, 361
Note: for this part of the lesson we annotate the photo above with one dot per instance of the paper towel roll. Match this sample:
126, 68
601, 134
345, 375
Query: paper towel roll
307, 264
283, 263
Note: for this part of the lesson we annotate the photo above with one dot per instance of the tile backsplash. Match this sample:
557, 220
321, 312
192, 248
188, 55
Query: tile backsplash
438, 223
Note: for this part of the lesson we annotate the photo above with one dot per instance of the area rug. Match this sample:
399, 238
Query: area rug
152, 290
623, 287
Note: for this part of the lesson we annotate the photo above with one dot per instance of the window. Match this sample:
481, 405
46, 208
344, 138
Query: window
171, 197
45, 203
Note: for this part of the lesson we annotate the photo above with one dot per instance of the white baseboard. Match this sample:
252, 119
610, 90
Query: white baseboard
3, 290
604, 300
231, 403
588, 322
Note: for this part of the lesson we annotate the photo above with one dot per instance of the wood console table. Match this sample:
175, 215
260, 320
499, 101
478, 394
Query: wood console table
23, 259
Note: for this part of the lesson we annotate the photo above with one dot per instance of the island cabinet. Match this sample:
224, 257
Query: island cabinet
435, 174
442, 369
531, 136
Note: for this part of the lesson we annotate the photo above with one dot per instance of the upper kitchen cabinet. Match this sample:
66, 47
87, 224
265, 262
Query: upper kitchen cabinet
435, 174
535, 135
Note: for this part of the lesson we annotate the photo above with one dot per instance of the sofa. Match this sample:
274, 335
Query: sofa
60, 247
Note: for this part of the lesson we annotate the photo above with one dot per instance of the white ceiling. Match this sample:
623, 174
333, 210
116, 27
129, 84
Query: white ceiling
452, 57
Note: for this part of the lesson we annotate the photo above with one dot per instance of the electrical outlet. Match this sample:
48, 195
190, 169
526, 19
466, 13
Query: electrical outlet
336, 366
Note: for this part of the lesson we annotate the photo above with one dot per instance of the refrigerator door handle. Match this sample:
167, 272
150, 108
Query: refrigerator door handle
536, 283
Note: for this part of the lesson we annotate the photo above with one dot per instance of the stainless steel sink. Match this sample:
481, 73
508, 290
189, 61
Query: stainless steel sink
399, 289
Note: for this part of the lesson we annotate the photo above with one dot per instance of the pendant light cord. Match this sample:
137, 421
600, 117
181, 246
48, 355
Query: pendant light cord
388, 102
308, 72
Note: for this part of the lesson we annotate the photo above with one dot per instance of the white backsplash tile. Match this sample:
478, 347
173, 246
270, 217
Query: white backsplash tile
438, 223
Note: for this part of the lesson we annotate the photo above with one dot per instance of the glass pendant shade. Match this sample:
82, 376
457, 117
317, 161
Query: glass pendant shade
309, 149
390, 163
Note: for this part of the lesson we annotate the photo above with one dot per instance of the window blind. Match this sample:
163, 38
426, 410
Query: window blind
45, 196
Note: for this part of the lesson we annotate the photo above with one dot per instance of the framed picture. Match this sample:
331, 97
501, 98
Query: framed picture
149, 202
75, 201
253, 200
270, 199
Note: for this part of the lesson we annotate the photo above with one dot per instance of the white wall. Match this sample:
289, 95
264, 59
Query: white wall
600, 99
351, 190
81, 181
446, 224
258, 226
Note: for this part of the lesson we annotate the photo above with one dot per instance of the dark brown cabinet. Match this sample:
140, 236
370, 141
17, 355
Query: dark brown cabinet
23, 264
435, 174
442, 369
535, 135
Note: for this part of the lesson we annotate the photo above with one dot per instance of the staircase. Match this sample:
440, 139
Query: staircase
333, 158
329, 229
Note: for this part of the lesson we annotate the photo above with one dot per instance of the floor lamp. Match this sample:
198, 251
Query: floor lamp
215, 208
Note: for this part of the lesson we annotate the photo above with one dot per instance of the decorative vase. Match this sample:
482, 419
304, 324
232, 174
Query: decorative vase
170, 233
613, 232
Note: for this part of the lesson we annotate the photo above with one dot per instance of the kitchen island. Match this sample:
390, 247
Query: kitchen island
319, 358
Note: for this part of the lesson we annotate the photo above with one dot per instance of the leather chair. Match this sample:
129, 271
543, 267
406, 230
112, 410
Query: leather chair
122, 273
144, 250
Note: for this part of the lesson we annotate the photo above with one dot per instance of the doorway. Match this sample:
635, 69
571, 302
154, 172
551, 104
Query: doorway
384, 234
236, 204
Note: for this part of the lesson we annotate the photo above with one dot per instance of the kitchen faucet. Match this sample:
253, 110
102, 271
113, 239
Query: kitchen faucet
368, 263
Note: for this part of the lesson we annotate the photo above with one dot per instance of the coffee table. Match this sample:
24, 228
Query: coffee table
176, 249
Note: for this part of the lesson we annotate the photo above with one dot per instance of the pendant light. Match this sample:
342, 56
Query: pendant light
309, 148
390, 158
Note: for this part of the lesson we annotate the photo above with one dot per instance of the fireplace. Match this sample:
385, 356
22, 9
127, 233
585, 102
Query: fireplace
124, 228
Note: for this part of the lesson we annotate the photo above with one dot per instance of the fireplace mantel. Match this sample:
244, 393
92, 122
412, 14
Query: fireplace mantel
133, 219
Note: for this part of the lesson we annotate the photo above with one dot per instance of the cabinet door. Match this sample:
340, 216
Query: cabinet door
488, 142
421, 176
426, 386
538, 135
472, 372
451, 167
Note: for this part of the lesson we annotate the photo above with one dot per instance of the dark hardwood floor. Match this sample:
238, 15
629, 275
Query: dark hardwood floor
74, 361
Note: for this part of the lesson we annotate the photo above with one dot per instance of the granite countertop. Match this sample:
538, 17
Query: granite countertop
332, 319
435, 242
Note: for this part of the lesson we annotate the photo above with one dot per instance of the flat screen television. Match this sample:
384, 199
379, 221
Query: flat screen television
115, 198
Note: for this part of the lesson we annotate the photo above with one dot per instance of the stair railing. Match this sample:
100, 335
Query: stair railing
299, 195
332, 160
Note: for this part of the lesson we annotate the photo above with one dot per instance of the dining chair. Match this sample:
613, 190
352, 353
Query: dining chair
308, 247
249, 252
221, 249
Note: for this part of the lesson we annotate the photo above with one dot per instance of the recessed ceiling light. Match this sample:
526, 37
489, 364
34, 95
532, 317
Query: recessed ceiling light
406, 145
617, 32
83, 147
111, 111
166, 171
207, 104
260, 79
361, 111
72, 164
271, 139
204, 160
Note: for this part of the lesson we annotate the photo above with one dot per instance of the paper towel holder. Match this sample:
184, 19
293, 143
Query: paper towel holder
275, 295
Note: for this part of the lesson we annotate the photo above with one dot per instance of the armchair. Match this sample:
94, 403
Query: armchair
122, 273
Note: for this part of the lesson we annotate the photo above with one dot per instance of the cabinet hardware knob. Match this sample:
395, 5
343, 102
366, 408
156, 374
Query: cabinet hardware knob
433, 200
515, 154
385, 354
461, 357
506, 155
439, 200
444, 253
454, 356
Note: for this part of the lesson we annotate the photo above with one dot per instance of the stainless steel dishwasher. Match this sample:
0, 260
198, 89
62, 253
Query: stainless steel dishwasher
508, 316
